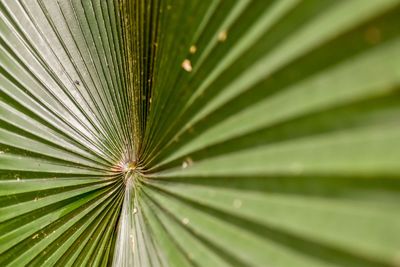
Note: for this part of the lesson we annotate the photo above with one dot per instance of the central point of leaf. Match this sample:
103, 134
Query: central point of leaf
128, 170
129, 166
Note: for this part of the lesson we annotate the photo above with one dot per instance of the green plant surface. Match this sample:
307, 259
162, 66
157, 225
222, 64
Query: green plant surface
200, 133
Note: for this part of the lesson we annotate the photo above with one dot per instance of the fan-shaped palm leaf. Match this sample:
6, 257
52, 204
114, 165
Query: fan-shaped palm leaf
200, 133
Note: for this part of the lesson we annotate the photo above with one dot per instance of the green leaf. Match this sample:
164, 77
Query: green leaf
199, 133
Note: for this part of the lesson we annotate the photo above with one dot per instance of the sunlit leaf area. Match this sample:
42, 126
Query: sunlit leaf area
201, 133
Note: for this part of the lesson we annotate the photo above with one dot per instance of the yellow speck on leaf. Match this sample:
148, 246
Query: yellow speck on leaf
192, 49
187, 65
222, 36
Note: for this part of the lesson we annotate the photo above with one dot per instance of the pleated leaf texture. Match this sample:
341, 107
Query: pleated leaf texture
200, 133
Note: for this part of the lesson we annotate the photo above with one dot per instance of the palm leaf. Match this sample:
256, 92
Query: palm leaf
200, 133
